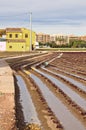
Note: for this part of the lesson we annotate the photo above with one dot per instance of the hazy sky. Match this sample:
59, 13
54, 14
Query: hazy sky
49, 16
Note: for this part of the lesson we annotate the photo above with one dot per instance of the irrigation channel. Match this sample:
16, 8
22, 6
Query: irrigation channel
28, 108
73, 75
45, 94
61, 112
80, 101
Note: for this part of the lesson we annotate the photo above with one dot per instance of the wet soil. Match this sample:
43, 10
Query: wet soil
61, 97
42, 108
19, 113
47, 118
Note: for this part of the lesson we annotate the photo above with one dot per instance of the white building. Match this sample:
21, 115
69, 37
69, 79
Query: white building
36, 45
2, 45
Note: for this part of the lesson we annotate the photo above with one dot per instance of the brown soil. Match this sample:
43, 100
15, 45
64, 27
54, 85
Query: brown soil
7, 114
47, 118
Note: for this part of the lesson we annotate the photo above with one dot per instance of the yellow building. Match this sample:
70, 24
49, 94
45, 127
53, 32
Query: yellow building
18, 39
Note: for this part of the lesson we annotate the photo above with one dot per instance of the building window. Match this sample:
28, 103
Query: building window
16, 35
26, 35
10, 46
10, 35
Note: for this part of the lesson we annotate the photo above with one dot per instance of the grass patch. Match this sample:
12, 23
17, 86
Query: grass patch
63, 49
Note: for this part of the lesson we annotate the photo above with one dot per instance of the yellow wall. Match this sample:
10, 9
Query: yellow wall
12, 46
26, 31
13, 35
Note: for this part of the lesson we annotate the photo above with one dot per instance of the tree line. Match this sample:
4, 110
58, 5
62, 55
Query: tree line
72, 44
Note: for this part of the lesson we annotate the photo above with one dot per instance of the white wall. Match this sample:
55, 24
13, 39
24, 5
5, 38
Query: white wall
36, 45
2, 45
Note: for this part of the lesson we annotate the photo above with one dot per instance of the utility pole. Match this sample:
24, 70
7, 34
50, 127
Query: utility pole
30, 31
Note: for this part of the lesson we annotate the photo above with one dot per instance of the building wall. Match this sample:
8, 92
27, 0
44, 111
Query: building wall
12, 46
33, 39
47, 38
2, 45
82, 38
40, 38
26, 36
43, 38
73, 37
52, 38
14, 35
61, 39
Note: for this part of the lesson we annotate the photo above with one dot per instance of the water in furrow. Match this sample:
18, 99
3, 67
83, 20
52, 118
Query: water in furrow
28, 108
73, 95
74, 75
76, 83
68, 121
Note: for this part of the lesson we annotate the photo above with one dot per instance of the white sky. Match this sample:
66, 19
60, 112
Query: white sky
49, 16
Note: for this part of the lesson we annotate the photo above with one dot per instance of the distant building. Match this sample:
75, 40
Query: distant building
47, 38
42, 38
57, 38
61, 39
73, 37
83, 38
52, 38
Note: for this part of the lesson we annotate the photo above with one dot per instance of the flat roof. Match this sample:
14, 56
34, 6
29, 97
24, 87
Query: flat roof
13, 30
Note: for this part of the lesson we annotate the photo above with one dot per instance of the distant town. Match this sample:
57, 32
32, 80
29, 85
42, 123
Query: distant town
22, 39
